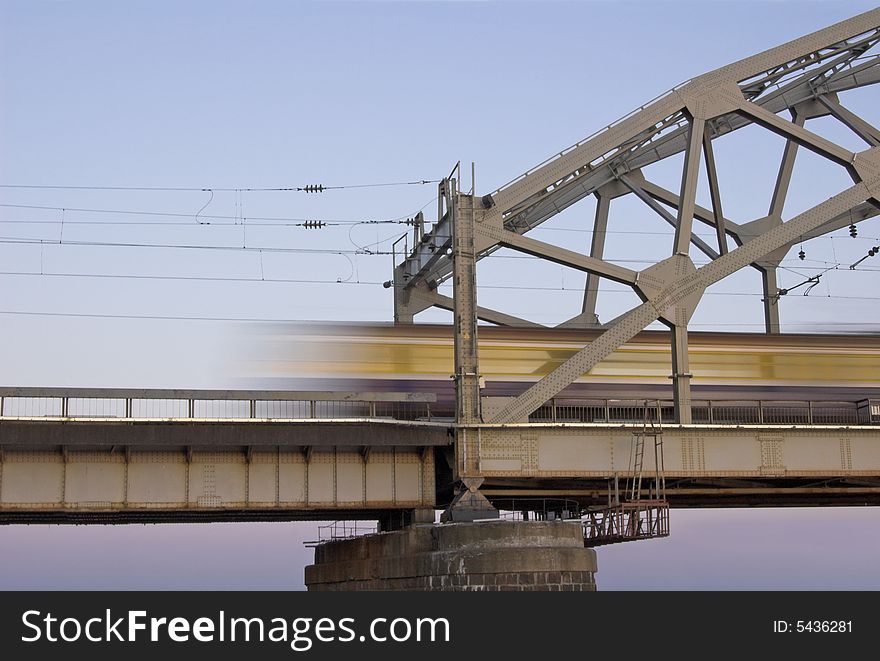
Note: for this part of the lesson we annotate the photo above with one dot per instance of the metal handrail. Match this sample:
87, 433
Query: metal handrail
215, 395
166, 404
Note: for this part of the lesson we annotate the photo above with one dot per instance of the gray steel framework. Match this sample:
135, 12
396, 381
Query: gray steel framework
800, 79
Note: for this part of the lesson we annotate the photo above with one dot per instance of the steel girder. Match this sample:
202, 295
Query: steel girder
817, 65
800, 78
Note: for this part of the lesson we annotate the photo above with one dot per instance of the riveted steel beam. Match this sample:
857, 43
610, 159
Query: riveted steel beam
832, 77
566, 257
796, 77
714, 194
665, 215
786, 168
629, 324
700, 213
467, 378
824, 62
859, 126
597, 251
855, 215
484, 314
798, 134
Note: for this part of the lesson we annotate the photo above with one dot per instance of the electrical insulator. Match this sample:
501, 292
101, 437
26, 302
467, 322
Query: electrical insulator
802, 255
873, 251
314, 188
853, 231
314, 224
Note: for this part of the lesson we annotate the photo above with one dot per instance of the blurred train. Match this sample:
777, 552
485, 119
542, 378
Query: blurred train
419, 357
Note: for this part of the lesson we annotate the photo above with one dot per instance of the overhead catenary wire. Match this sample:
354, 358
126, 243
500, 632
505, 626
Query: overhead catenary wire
356, 251
101, 315
239, 219
196, 278
182, 246
193, 278
176, 214
98, 315
309, 188
281, 221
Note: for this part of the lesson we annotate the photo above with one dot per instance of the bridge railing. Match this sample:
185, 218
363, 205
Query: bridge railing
302, 405
720, 412
211, 404
537, 509
626, 522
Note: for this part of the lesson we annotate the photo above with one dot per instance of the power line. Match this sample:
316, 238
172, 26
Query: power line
613, 260
285, 221
311, 188
668, 232
358, 251
90, 315
580, 292
326, 251
278, 222
173, 246
419, 182
177, 223
170, 214
274, 249
860, 324
575, 290
195, 278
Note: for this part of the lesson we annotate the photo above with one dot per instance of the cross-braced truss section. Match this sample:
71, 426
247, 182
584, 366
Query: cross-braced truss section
777, 90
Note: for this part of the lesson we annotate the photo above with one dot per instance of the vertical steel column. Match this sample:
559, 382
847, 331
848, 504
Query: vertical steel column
770, 298
688, 195
467, 378
402, 312
786, 167
777, 203
468, 504
597, 250
681, 376
418, 228
714, 193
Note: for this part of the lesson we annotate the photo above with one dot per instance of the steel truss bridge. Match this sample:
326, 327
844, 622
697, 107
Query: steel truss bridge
134, 455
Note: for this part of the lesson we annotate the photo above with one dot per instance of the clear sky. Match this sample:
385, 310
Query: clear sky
283, 94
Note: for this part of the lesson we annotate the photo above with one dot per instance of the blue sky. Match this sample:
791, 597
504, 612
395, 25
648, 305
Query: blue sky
280, 94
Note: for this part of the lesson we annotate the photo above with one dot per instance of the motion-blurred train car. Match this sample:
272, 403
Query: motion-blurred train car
419, 357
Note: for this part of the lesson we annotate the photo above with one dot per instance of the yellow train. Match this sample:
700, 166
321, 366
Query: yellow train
420, 356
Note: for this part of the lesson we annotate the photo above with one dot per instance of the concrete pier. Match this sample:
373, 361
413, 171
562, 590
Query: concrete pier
498, 555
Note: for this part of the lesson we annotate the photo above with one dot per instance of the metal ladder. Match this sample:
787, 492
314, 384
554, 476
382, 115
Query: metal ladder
657, 487
636, 462
636, 517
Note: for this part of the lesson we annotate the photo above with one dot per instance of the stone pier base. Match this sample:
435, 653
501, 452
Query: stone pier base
499, 555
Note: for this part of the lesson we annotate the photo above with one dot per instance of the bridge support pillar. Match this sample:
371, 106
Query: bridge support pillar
469, 504
400, 519
498, 555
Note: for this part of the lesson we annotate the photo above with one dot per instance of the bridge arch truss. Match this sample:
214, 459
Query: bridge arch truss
778, 90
